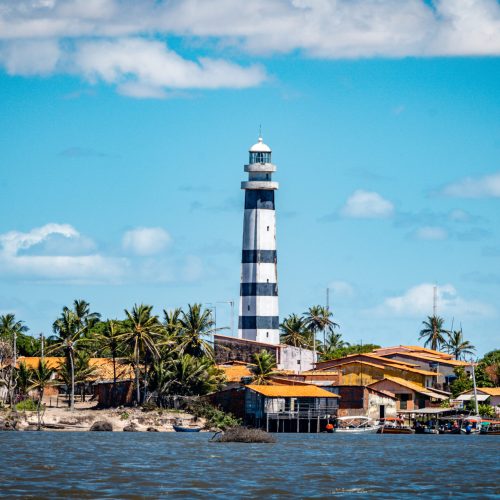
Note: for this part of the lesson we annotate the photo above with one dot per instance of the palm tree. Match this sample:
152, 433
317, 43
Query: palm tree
318, 320
81, 308
265, 365
10, 329
108, 341
333, 344
456, 345
294, 332
23, 378
41, 377
142, 333
69, 330
195, 324
433, 332
81, 373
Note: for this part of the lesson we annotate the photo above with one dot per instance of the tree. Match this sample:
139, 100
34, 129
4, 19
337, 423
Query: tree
317, 319
10, 330
488, 369
6, 368
82, 371
462, 383
194, 325
456, 345
108, 340
433, 332
69, 329
23, 378
264, 367
294, 332
346, 350
142, 330
41, 377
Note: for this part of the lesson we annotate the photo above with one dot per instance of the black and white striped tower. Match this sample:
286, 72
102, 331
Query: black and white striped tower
259, 318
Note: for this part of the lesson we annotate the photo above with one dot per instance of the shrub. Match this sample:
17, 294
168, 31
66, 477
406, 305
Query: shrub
215, 417
27, 405
244, 435
124, 416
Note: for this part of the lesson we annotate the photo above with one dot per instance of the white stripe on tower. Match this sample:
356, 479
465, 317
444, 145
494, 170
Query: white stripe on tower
259, 312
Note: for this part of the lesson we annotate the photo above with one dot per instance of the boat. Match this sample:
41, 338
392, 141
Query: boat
180, 428
471, 425
491, 427
356, 425
393, 425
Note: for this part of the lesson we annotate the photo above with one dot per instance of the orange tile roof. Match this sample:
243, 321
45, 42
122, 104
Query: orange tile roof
412, 386
434, 359
103, 367
320, 372
291, 391
234, 373
432, 352
491, 391
366, 354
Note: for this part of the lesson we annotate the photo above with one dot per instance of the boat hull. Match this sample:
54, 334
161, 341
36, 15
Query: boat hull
178, 428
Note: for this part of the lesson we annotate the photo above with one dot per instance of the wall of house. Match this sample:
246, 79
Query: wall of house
400, 393
375, 401
233, 349
356, 374
416, 378
295, 359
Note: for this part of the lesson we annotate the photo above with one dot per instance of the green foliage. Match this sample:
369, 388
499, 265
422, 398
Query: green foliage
27, 405
216, 418
462, 383
456, 344
264, 367
82, 369
488, 370
294, 332
433, 332
486, 410
23, 378
124, 415
335, 353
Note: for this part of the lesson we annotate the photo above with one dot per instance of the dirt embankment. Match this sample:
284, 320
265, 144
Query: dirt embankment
85, 415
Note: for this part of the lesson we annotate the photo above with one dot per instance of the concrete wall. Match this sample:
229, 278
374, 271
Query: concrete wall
376, 400
295, 359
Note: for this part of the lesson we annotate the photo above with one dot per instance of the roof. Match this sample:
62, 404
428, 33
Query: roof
469, 397
368, 355
430, 358
491, 391
103, 367
234, 373
320, 372
414, 387
291, 391
260, 147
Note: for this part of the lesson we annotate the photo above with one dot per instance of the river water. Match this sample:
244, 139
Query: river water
138, 465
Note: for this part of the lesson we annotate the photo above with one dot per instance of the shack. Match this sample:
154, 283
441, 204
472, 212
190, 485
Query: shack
289, 408
365, 401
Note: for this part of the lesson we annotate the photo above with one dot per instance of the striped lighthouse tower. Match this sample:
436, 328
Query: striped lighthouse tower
258, 318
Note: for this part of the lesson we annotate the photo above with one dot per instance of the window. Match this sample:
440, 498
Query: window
268, 228
298, 361
267, 334
268, 280
248, 307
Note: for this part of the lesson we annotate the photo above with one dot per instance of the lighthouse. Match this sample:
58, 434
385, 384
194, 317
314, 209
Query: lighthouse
259, 317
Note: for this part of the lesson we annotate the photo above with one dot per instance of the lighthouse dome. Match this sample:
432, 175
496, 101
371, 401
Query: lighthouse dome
260, 153
260, 147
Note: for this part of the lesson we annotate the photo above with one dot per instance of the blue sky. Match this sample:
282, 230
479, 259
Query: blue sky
124, 133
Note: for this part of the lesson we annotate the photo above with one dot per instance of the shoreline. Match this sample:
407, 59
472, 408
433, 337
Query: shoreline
85, 415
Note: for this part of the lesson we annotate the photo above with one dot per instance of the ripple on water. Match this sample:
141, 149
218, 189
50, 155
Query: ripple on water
69, 465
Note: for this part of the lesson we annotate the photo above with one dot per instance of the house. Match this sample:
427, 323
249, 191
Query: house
289, 408
443, 364
409, 396
362, 369
356, 400
488, 395
229, 349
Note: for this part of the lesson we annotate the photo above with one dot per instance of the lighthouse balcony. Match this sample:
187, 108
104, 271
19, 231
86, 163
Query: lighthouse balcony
270, 185
260, 167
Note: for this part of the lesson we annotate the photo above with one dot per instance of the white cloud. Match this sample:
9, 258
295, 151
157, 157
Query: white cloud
418, 301
487, 186
431, 233
146, 240
17, 262
118, 41
367, 205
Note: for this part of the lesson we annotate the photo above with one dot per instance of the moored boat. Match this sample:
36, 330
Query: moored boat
393, 425
490, 427
180, 428
356, 425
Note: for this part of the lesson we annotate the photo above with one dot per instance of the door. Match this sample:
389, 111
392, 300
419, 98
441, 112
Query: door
381, 412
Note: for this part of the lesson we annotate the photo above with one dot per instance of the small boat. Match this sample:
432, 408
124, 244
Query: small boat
356, 425
180, 428
392, 425
471, 425
491, 427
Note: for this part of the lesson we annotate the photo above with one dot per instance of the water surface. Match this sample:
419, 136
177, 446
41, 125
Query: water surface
139, 465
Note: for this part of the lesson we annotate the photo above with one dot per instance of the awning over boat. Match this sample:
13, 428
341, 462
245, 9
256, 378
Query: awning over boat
468, 397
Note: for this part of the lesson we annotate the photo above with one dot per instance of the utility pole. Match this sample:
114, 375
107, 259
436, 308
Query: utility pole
41, 344
434, 305
475, 388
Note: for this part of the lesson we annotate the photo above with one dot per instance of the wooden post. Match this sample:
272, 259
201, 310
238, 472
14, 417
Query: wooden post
267, 422
308, 423
317, 426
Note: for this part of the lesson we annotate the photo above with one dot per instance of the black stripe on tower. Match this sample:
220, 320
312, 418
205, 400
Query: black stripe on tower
259, 198
259, 290
258, 322
258, 256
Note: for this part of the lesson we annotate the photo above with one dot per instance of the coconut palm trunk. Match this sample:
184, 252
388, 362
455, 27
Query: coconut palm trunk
72, 368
